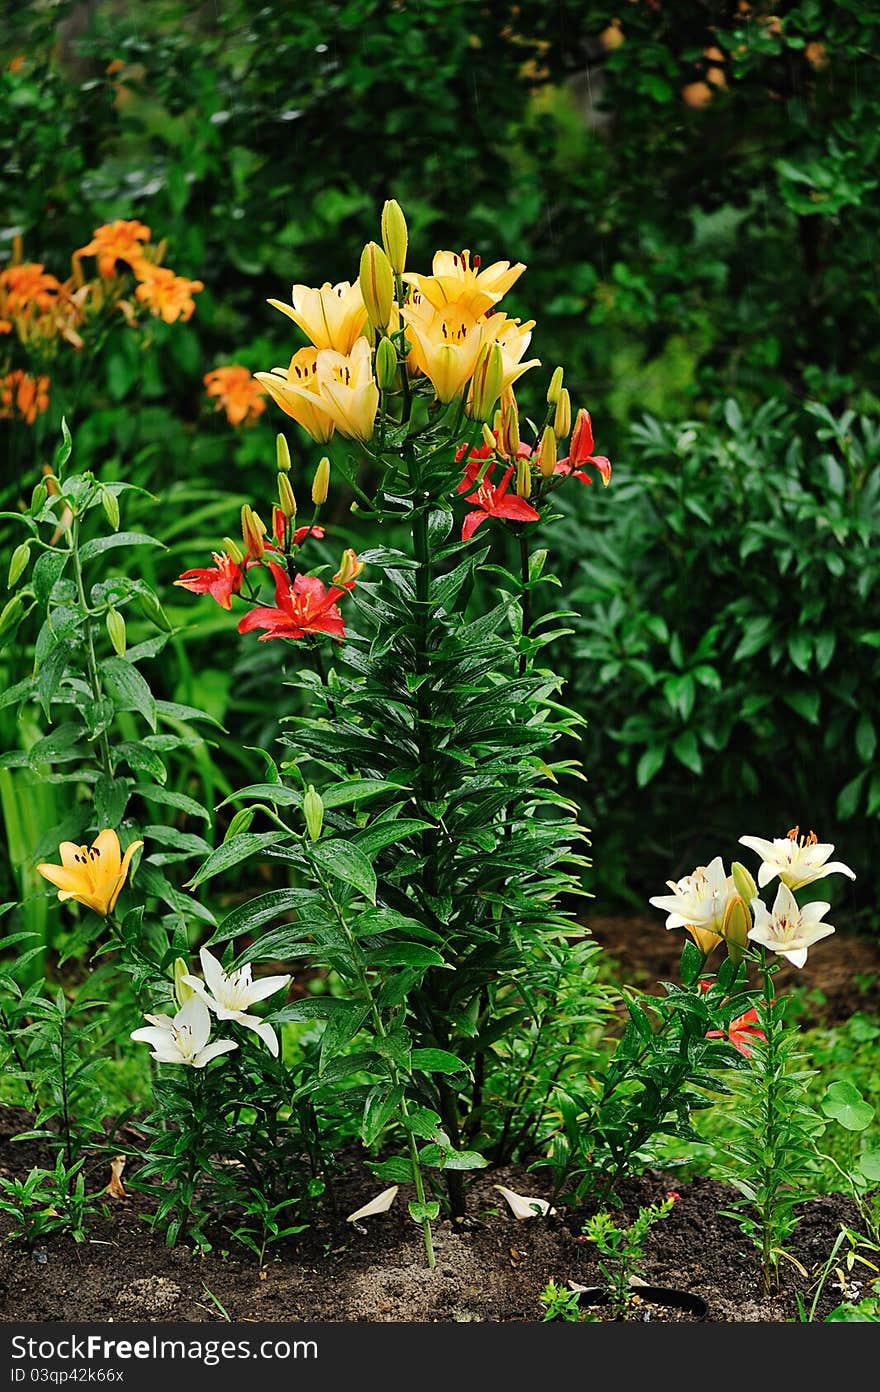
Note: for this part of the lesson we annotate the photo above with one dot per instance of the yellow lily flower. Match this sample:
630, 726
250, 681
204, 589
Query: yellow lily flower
513, 338
94, 875
446, 345
296, 391
348, 390
456, 281
332, 317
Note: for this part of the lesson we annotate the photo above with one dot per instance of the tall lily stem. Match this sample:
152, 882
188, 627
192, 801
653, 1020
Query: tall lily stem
771, 1024
91, 660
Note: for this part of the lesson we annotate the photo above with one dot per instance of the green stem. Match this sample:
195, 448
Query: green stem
379, 1026
526, 601
91, 660
771, 1126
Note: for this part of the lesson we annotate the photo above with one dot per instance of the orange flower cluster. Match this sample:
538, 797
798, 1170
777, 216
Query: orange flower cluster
237, 393
42, 312
23, 396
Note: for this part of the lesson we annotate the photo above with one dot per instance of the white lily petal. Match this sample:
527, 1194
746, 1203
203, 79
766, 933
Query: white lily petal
210, 1051
266, 986
195, 1017
380, 1204
264, 1030
523, 1207
215, 976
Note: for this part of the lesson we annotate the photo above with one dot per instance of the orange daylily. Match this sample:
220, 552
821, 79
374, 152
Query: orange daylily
332, 317
23, 395
167, 295
117, 241
237, 393
94, 875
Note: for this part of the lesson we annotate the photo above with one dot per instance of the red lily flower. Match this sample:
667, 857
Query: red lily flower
491, 500
740, 1031
221, 581
476, 460
582, 452
303, 606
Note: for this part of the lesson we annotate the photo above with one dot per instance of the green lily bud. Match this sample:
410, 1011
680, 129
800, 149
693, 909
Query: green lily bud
110, 504
253, 529
116, 629
386, 365
182, 992
321, 481
38, 497
562, 418
240, 822
394, 235
152, 610
555, 387
377, 285
18, 564
233, 550
489, 438
735, 929
286, 496
313, 810
547, 452
11, 616
487, 383
282, 454
523, 477
745, 885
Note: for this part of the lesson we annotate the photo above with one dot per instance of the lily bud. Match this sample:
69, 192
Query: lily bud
12, 615
377, 285
349, 570
489, 437
116, 630
547, 452
743, 882
286, 496
252, 533
313, 810
182, 991
555, 387
487, 383
282, 454
394, 235
562, 418
523, 477
233, 550
240, 822
38, 497
18, 564
321, 481
110, 504
510, 432
386, 365
735, 929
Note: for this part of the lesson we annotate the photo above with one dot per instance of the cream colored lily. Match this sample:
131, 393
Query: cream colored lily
183, 1039
295, 389
446, 345
798, 861
348, 390
789, 929
700, 902
91, 875
456, 281
332, 317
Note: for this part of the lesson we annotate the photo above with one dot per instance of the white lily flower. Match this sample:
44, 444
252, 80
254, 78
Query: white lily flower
380, 1204
523, 1207
789, 929
798, 861
699, 903
229, 994
183, 1039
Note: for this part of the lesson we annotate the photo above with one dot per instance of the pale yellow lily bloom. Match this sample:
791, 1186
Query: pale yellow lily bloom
92, 876
513, 338
456, 281
332, 317
348, 390
295, 389
446, 345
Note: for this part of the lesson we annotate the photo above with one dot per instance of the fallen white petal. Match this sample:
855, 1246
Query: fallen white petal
380, 1204
522, 1207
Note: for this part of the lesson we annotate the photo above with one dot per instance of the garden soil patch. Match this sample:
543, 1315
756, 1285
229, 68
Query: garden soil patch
489, 1267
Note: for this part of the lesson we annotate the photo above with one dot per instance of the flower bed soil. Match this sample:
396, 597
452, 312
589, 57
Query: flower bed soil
489, 1267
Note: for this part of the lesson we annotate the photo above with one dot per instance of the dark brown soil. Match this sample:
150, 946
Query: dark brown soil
489, 1267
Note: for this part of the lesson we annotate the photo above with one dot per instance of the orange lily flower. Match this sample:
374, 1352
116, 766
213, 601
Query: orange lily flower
94, 875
